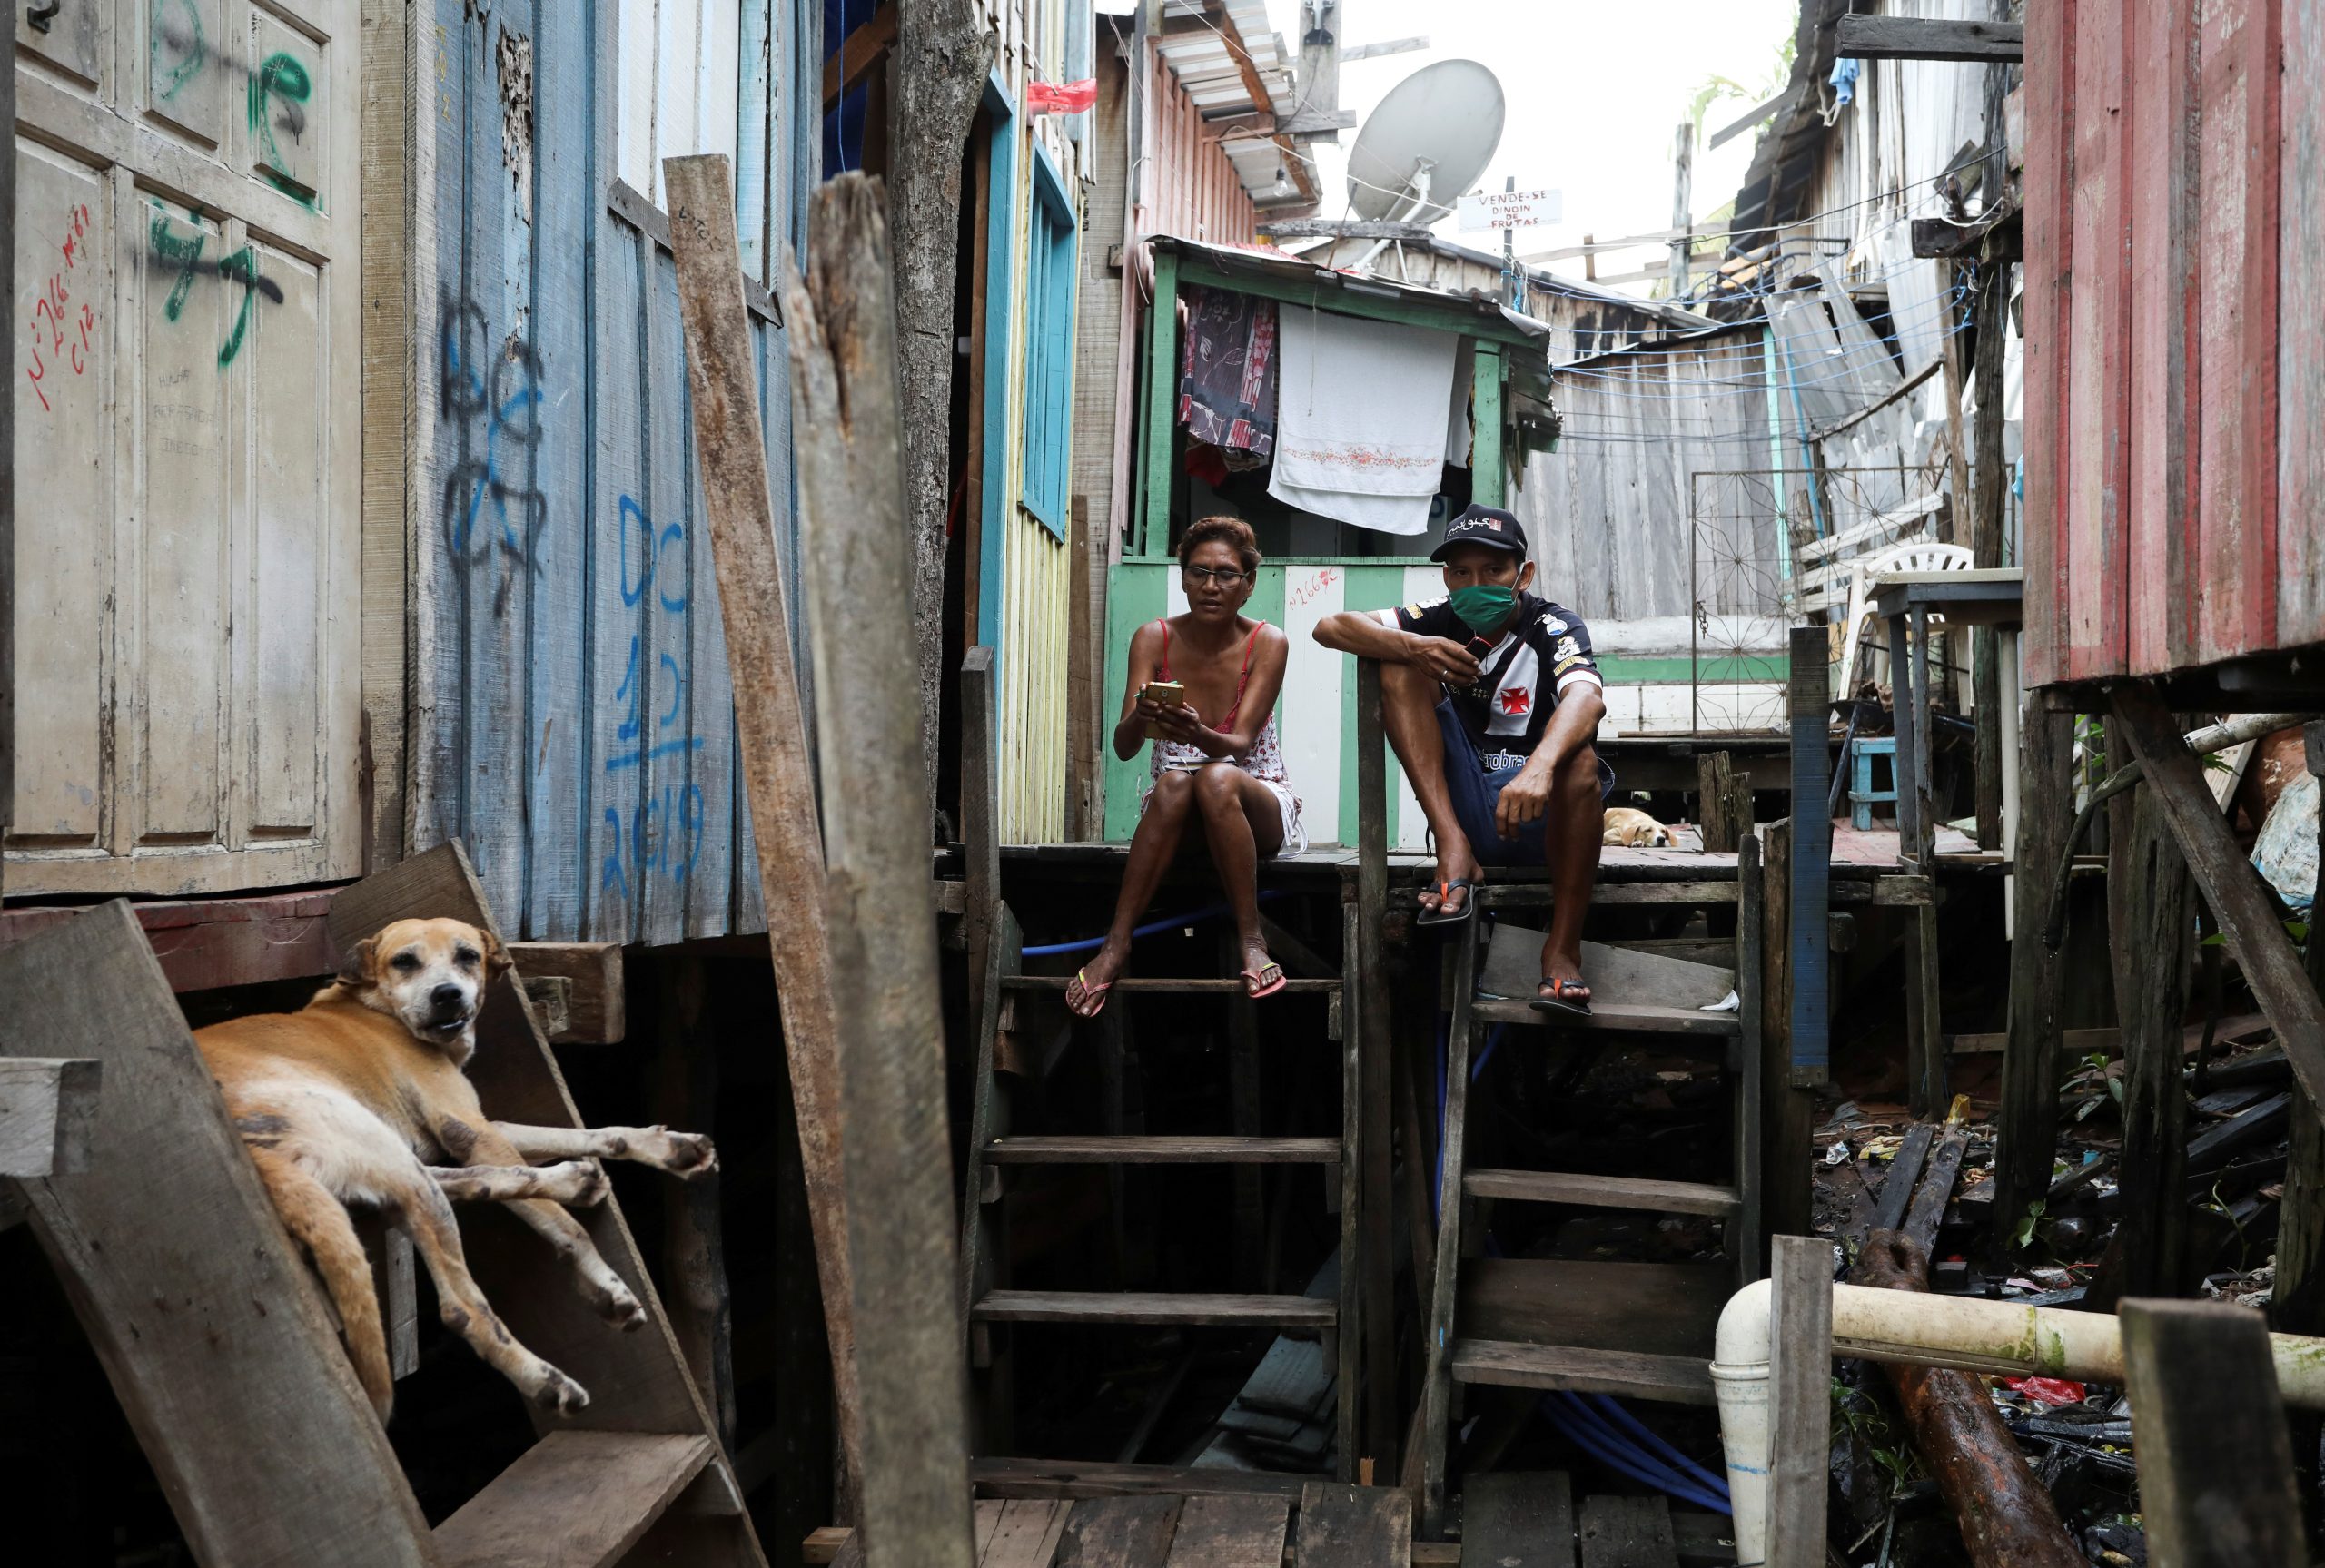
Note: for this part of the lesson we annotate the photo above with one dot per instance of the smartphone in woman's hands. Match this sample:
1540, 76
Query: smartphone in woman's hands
1162, 694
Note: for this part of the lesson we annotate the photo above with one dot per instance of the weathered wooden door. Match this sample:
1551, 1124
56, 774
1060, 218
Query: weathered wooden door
187, 439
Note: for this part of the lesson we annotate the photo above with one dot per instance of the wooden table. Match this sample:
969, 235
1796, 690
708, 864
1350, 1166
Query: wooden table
1908, 600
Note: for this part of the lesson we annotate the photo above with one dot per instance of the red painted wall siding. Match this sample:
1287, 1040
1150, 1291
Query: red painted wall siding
2170, 485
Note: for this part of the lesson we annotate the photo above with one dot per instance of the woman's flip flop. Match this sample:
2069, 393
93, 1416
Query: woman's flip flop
1570, 997
1257, 982
1079, 990
1444, 891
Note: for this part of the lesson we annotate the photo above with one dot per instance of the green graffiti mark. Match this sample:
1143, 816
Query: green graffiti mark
242, 265
170, 248
189, 47
278, 75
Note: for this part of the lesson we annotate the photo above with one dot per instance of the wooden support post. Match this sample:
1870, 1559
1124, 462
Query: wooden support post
1244, 1121
847, 417
1788, 1110
1347, 1344
1745, 1240
1800, 1398
980, 815
1811, 868
2248, 917
771, 727
2216, 1479
587, 976
1925, 1074
2028, 1120
1921, 39
1989, 484
2152, 912
2297, 1303
1375, 1261
694, 1255
1723, 802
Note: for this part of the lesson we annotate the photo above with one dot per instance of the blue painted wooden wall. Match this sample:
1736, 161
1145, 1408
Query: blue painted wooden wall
573, 720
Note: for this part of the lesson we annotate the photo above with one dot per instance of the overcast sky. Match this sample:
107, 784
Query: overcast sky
1595, 93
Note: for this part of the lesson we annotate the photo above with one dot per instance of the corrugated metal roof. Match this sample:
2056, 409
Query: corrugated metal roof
1205, 68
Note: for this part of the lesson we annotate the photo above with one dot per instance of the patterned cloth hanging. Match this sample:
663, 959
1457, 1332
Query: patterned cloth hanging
1227, 375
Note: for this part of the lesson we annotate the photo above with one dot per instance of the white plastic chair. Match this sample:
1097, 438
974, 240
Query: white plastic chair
1920, 556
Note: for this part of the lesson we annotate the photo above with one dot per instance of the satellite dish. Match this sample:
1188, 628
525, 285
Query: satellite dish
1427, 144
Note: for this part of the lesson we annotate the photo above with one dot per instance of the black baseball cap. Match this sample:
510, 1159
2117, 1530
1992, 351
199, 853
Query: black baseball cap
1483, 526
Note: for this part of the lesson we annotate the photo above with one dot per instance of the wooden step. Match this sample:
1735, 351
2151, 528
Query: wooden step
1511, 1363
1153, 1307
1163, 1149
1603, 1191
1611, 1018
574, 1500
1192, 986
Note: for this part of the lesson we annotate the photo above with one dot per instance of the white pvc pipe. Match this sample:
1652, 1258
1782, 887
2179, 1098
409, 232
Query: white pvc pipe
1912, 1328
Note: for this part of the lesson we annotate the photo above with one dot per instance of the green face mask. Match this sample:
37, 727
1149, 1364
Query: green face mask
1483, 606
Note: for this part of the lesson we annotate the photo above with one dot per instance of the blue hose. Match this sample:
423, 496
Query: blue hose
1587, 1433
1612, 1408
1092, 943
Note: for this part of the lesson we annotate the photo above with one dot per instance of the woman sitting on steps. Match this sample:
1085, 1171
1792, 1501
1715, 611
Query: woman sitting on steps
1228, 767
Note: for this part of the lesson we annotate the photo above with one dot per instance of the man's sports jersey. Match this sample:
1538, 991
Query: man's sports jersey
1542, 652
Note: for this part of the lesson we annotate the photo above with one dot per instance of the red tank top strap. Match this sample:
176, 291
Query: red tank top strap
1163, 672
1244, 677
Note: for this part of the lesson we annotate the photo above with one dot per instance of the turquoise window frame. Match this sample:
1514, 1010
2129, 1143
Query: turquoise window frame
1048, 437
1001, 208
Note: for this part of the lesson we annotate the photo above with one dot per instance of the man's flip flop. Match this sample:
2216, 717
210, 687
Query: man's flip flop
1079, 990
1444, 891
1570, 997
1264, 981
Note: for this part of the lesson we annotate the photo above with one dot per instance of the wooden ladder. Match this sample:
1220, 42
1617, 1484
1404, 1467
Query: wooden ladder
998, 986
1640, 1329
223, 1351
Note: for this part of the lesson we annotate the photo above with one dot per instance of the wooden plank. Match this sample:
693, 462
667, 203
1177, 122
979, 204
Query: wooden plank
1659, 1308
1163, 1148
203, 943
1532, 896
2152, 919
1788, 1110
170, 1196
573, 1500
1920, 38
1519, 1519
1026, 1531
1602, 1191
1231, 1532
1513, 970
1749, 1082
1800, 1326
770, 731
846, 402
1119, 1533
1506, 1364
1436, 1376
1629, 1532
1374, 1263
2049, 284
2074, 1042
2231, 887
595, 1001
867, 43
2297, 1303
1615, 1018
1151, 1307
1989, 487
2216, 1465
1079, 1478
2300, 392
48, 1115
2028, 1119
1355, 1526
1808, 1025
1205, 986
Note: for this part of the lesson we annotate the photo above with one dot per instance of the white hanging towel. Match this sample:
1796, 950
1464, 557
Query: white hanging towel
1361, 419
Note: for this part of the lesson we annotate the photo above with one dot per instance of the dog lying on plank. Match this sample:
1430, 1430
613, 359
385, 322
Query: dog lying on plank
1634, 829
359, 1097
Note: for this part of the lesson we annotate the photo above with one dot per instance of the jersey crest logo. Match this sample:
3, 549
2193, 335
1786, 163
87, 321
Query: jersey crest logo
1516, 700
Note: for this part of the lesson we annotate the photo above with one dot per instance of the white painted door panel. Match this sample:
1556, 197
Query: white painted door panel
188, 424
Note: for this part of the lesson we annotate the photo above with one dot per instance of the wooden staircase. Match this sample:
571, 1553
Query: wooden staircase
1637, 1329
224, 1352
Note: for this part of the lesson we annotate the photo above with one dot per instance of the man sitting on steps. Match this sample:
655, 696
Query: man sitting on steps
1490, 699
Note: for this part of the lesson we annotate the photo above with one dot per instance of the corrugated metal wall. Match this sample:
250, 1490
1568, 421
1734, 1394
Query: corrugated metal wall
573, 723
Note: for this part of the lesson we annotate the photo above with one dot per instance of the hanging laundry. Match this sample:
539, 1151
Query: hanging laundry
1227, 375
1364, 418
1060, 97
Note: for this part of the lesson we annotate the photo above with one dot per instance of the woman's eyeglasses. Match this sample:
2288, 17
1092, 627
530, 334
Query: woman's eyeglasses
1225, 580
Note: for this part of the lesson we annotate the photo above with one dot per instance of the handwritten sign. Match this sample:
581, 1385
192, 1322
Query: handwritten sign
1509, 209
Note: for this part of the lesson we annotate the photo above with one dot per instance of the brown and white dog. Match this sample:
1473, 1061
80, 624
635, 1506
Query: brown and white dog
1634, 829
359, 1098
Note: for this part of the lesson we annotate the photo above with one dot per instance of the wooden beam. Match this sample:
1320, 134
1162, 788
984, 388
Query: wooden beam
847, 415
1990, 481
1812, 858
2216, 1477
1376, 51
1342, 229
48, 1114
2247, 915
595, 1012
1224, 21
1375, 1261
1800, 1326
203, 943
2151, 917
2297, 1303
1744, 121
2027, 1122
863, 49
1919, 38
770, 728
